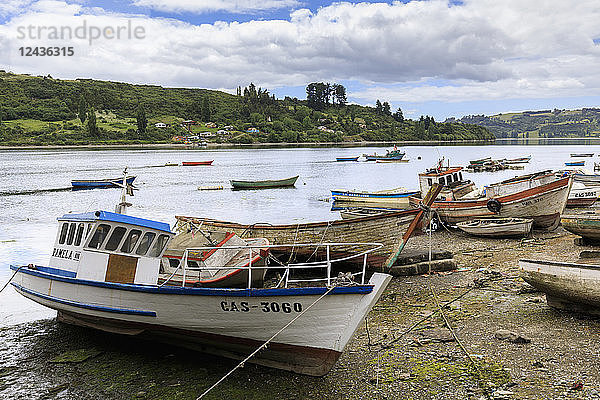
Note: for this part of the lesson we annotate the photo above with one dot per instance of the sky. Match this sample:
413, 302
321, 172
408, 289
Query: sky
428, 57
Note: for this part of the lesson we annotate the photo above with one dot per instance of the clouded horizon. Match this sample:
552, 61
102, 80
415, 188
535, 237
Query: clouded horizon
433, 57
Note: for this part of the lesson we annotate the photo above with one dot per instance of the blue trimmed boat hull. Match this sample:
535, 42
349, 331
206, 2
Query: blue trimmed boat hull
100, 183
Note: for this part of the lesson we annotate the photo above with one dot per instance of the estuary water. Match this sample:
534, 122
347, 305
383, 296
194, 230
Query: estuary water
35, 189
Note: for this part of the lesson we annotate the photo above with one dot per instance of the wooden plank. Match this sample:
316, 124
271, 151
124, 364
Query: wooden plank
121, 269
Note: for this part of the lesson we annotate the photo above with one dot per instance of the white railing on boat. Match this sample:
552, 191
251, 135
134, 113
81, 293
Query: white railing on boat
327, 263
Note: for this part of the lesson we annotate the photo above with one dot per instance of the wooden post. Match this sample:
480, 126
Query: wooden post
434, 190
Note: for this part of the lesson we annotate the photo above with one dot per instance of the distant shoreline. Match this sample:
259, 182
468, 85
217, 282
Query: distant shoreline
213, 146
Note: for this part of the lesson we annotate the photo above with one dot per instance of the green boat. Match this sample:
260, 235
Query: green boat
264, 184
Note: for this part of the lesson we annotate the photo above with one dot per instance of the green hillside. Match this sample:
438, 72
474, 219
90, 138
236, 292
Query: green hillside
41, 111
541, 124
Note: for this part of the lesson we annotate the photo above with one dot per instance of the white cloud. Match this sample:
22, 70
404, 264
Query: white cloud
415, 52
10, 7
204, 6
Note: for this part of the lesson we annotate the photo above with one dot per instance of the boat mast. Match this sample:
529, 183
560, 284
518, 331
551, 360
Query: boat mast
121, 208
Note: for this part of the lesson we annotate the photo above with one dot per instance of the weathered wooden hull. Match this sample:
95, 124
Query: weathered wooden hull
386, 229
543, 204
227, 322
584, 225
269, 184
498, 227
573, 287
390, 198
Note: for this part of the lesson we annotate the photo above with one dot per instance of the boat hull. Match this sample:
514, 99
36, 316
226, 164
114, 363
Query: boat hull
543, 204
398, 199
342, 159
518, 227
386, 229
269, 184
195, 163
227, 322
584, 225
573, 287
100, 183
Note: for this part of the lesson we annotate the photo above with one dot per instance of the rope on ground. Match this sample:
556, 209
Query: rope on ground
11, 278
264, 345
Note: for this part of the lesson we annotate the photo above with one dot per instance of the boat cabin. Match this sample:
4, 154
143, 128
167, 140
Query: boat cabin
451, 178
110, 247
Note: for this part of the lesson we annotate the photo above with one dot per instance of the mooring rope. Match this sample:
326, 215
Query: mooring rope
264, 345
11, 278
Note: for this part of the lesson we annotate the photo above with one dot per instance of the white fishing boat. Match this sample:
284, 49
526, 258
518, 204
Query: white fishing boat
497, 227
582, 195
105, 273
568, 286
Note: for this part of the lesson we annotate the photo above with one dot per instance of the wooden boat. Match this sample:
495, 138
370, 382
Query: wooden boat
582, 154
542, 198
451, 179
480, 161
100, 183
397, 197
267, 184
390, 155
352, 213
575, 164
195, 163
386, 228
171, 164
110, 280
582, 195
568, 286
340, 159
586, 179
497, 227
521, 160
586, 224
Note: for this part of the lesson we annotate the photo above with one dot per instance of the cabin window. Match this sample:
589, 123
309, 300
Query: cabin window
159, 245
449, 179
131, 240
145, 243
460, 175
115, 238
79, 235
456, 177
99, 235
71, 235
63, 232
429, 181
442, 181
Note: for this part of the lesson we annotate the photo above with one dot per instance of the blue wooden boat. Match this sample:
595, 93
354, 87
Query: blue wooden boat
397, 197
100, 183
346, 159
575, 164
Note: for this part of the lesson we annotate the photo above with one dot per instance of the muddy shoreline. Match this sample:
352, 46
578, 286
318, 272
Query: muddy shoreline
48, 360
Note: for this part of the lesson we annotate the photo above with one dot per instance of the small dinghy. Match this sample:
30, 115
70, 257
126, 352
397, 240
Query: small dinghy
568, 286
497, 227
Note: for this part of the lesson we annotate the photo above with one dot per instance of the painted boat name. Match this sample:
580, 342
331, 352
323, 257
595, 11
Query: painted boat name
265, 306
66, 254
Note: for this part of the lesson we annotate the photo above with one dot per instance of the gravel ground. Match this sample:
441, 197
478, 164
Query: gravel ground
383, 361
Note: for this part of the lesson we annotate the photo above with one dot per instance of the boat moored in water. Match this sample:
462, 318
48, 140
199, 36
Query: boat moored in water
341, 159
101, 183
266, 184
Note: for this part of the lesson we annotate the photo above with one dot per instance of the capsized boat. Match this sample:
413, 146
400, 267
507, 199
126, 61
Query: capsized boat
105, 273
266, 184
568, 286
101, 183
497, 227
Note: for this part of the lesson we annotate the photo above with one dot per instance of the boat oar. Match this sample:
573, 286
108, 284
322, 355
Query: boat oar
435, 189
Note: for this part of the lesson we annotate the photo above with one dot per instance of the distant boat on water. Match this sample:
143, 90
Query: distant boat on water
575, 164
267, 184
100, 183
582, 154
521, 160
341, 159
389, 155
194, 163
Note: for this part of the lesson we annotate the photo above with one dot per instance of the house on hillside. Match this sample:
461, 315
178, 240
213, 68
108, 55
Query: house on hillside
210, 125
160, 125
252, 130
325, 129
178, 139
222, 132
206, 134
228, 127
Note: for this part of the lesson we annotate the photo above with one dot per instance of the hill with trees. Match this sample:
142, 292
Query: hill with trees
37, 110
540, 124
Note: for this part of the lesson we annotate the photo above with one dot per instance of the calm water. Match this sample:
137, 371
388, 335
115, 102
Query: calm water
29, 203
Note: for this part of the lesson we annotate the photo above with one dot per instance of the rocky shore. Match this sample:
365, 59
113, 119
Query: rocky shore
504, 343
